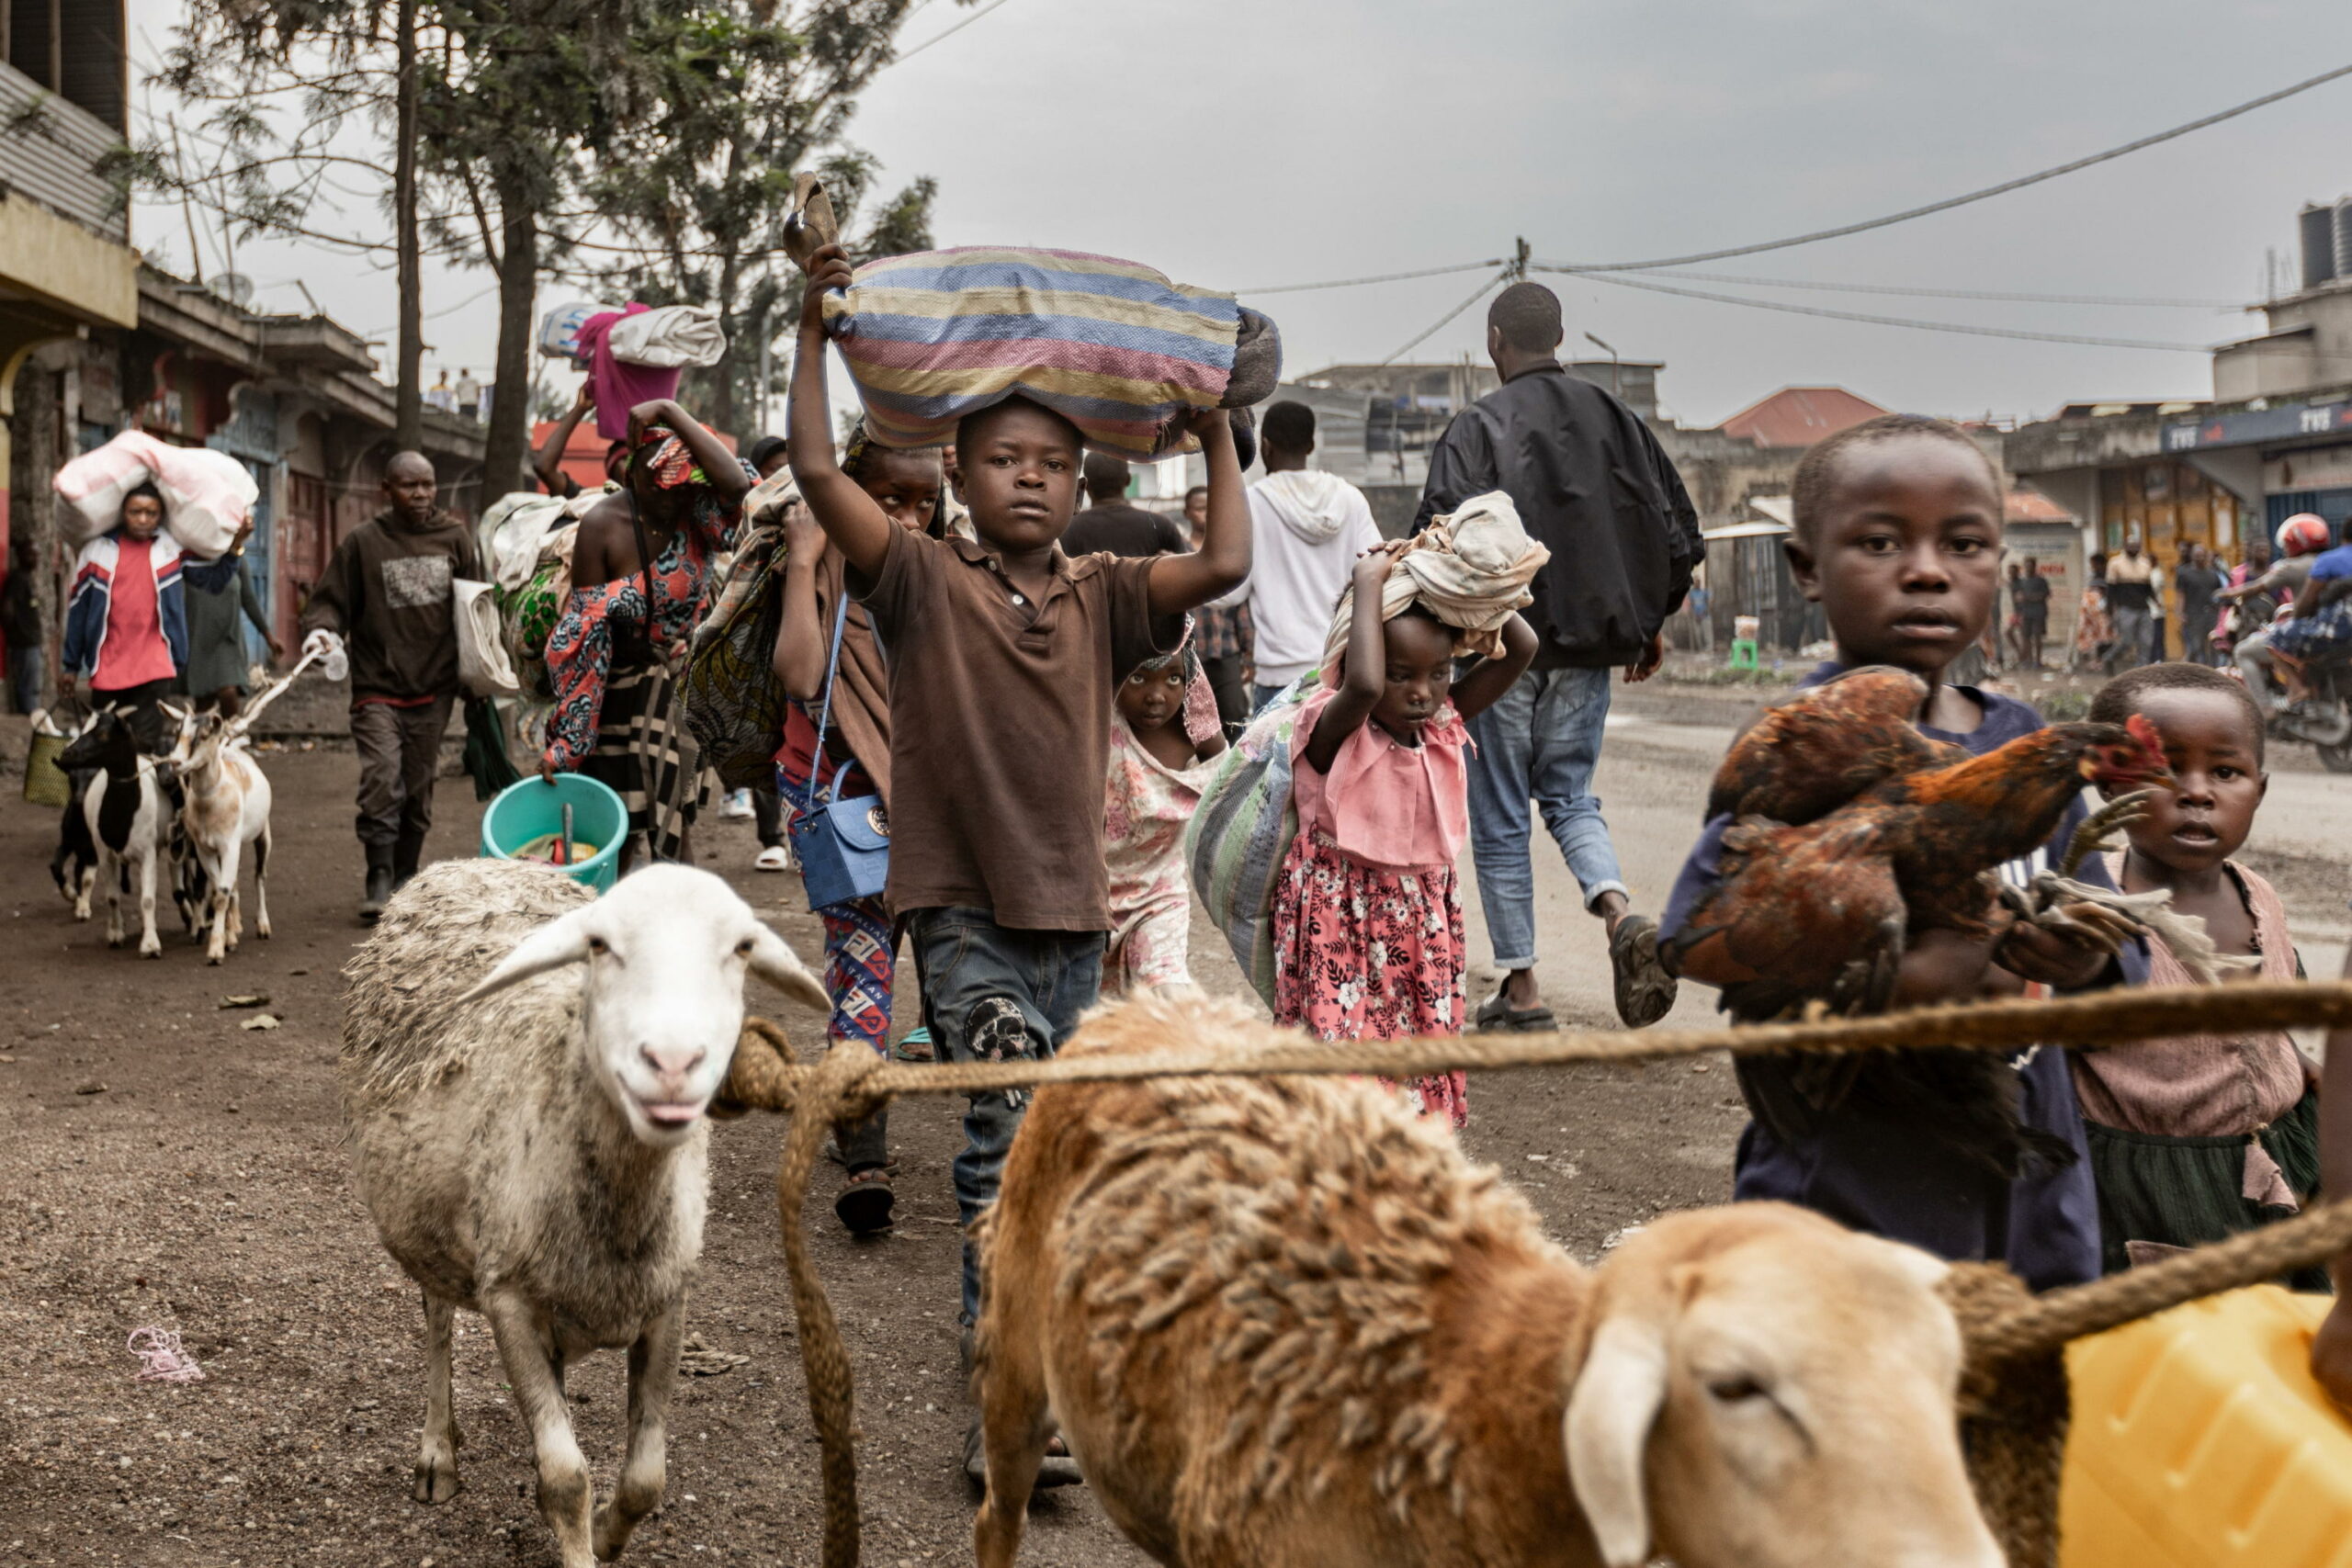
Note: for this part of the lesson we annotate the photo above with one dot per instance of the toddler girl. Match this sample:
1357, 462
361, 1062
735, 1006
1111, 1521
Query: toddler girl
2196, 1138
1162, 740
1368, 938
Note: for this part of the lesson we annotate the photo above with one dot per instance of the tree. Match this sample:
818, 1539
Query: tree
702, 189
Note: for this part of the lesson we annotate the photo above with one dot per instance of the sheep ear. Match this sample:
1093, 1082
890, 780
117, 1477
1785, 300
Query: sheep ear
559, 942
1611, 1411
773, 960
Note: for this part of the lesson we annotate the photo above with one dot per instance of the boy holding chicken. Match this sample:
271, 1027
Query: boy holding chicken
1898, 529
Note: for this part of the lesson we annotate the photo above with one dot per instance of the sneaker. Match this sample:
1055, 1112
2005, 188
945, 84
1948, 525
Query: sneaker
1645, 990
738, 807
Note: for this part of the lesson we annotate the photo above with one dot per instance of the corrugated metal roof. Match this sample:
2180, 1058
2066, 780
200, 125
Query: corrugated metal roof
2032, 506
1798, 416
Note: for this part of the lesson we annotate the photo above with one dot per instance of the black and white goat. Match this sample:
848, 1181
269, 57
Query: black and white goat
130, 817
226, 809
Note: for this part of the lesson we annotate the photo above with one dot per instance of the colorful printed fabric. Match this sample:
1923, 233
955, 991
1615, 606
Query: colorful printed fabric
1366, 952
2315, 637
580, 649
1113, 346
861, 945
1144, 808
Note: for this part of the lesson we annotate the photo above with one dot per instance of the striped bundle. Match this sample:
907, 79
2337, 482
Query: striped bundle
1113, 346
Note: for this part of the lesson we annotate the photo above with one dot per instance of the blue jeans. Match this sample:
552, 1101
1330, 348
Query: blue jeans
1260, 695
993, 994
24, 677
1540, 742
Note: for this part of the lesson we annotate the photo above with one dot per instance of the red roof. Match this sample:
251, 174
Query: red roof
1798, 416
2032, 506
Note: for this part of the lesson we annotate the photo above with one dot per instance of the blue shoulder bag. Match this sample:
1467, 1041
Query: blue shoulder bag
843, 846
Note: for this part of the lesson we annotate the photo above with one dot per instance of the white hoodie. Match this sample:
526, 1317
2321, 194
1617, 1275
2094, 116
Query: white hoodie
1307, 528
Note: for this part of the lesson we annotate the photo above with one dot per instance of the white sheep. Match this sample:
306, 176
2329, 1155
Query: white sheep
1280, 1320
535, 1149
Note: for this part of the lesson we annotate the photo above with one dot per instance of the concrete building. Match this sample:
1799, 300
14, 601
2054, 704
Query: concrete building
66, 266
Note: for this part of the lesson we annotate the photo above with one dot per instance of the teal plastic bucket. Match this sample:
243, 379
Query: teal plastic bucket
534, 808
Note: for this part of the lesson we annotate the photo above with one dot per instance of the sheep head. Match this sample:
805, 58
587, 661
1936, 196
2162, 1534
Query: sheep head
1764, 1387
665, 953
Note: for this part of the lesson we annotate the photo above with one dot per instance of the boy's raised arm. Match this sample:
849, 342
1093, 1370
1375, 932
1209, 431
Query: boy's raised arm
858, 527
1222, 563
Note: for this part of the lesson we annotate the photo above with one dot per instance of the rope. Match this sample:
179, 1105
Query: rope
2013, 1394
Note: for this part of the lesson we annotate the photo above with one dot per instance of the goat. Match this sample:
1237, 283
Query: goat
227, 808
1282, 1320
73, 865
129, 815
535, 1149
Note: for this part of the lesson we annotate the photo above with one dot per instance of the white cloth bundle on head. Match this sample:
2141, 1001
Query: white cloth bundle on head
1469, 568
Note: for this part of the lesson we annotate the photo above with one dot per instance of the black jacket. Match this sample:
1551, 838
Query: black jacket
1593, 484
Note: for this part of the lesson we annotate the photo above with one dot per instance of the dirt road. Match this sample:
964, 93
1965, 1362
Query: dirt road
163, 1164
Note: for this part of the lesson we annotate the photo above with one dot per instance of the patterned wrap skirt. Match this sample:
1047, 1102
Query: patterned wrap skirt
645, 754
1372, 953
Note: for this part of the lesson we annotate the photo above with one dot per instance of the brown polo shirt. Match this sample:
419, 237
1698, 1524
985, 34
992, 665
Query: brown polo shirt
1000, 727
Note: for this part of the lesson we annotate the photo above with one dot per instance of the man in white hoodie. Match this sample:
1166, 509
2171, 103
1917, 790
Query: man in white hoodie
1309, 527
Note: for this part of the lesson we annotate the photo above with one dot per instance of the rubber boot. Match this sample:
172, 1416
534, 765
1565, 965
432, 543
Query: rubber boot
406, 853
379, 882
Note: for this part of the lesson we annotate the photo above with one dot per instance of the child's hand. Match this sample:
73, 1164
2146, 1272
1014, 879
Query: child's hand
804, 540
829, 269
2332, 1346
583, 400
1371, 569
2055, 958
1205, 421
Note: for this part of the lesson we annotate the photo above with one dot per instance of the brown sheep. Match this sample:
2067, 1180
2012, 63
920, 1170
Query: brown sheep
1282, 1321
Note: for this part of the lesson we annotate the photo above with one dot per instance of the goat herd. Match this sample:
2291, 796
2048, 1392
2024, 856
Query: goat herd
1277, 1320
184, 818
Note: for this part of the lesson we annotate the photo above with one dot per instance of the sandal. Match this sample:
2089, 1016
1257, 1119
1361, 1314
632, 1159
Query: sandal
775, 857
1057, 1468
915, 1047
1495, 1014
865, 1202
1645, 990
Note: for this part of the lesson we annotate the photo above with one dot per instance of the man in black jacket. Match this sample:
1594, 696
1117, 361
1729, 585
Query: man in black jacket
1591, 483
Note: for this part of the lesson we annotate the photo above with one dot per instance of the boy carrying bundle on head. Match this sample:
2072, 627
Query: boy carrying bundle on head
1004, 655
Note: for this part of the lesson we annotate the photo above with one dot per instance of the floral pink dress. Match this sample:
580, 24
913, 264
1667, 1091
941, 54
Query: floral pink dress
1144, 808
1368, 934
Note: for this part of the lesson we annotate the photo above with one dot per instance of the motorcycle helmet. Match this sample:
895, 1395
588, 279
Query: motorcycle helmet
2304, 534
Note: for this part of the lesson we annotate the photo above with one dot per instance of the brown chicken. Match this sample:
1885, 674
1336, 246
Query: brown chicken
1852, 833
1819, 904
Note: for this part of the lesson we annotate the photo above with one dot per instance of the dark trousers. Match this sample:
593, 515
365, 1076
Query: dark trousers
1232, 691
399, 750
994, 994
767, 815
24, 676
138, 705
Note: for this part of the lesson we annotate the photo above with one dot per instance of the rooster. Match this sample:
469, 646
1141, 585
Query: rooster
1852, 833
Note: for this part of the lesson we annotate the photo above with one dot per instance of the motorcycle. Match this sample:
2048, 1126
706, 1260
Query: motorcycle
2324, 718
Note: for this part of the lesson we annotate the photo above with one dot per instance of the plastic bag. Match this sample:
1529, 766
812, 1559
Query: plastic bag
1242, 830
1112, 345
208, 494
560, 328
669, 338
512, 531
483, 669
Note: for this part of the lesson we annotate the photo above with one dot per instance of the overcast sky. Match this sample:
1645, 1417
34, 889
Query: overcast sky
1241, 143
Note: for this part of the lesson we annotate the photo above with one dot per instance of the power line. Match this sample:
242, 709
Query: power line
1892, 321
1381, 277
1951, 202
947, 33
1476, 294
1936, 293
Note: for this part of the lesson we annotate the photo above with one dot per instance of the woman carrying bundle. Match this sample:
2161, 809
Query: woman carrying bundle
845, 687
638, 571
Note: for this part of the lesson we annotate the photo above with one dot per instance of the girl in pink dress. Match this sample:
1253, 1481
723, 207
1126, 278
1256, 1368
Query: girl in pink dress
1368, 938
1165, 740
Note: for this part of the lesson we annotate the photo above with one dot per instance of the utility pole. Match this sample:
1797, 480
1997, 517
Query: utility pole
408, 420
1517, 271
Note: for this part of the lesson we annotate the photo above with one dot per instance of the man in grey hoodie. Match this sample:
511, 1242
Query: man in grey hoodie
1309, 527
